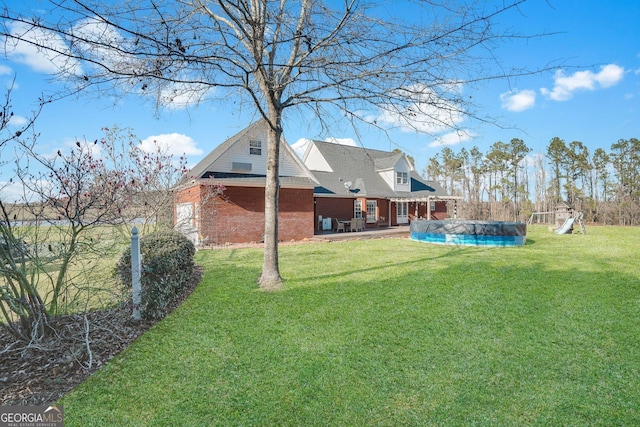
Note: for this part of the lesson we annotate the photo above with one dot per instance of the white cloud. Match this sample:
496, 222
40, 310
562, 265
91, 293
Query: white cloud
565, 85
423, 111
101, 43
92, 34
108, 46
72, 143
177, 96
172, 143
17, 120
50, 59
453, 138
610, 75
11, 192
104, 44
517, 101
4, 70
17, 192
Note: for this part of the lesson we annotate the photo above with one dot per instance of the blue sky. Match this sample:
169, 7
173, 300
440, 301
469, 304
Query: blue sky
593, 95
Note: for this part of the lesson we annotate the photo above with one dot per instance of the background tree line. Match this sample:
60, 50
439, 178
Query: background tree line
509, 183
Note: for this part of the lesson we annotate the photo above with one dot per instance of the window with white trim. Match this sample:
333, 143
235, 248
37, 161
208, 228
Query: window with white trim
255, 148
402, 178
357, 208
372, 210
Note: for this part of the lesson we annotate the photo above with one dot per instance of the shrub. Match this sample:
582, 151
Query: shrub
167, 267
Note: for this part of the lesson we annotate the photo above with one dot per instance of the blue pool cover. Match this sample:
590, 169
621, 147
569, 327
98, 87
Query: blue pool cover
470, 233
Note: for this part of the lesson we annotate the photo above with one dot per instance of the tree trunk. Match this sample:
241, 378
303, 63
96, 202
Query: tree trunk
270, 278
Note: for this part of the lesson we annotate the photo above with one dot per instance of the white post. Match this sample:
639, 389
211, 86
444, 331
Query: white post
135, 272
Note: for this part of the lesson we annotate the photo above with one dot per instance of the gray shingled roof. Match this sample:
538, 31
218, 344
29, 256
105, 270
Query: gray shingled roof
360, 167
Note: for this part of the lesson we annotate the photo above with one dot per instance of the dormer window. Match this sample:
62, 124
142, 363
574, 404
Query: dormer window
402, 178
255, 148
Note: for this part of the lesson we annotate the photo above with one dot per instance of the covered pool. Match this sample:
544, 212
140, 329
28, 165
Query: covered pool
468, 232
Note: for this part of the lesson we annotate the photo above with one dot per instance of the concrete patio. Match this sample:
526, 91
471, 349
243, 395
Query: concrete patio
401, 231
369, 233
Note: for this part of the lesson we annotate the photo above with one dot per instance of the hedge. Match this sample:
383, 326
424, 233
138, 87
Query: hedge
167, 267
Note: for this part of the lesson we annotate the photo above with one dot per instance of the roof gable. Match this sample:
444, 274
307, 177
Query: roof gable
244, 155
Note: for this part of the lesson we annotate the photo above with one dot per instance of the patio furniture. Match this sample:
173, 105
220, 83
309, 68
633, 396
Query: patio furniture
338, 225
357, 224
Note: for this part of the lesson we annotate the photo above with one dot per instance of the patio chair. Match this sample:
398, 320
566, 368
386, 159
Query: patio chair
337, 225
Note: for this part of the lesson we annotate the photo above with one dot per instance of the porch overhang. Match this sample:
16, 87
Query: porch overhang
425, 198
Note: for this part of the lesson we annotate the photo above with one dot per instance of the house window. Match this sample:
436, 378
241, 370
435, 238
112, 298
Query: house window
372, 210
402, 178
255, 148
357, 208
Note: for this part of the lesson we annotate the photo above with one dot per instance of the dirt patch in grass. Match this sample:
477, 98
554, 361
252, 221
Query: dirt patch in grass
40, 374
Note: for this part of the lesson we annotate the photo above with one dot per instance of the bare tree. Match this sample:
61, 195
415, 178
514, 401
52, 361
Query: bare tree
154, 170
350, 58
601, 180
625, 160
476, 171
557, 154
542, 201
18, 297
517, 150
74, 213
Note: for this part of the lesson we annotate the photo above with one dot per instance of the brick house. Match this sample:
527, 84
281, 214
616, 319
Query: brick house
330, 181
237, 215
379, 186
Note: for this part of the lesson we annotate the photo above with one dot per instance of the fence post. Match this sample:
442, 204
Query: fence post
135, 272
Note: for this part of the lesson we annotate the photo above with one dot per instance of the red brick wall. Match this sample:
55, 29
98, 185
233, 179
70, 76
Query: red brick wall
441, 211
238, 217
383, 210
334, 208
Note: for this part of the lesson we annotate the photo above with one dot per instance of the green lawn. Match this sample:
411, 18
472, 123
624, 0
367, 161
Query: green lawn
392, 332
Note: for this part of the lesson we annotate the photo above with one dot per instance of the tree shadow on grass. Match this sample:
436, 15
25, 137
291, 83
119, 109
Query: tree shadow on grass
455, 251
